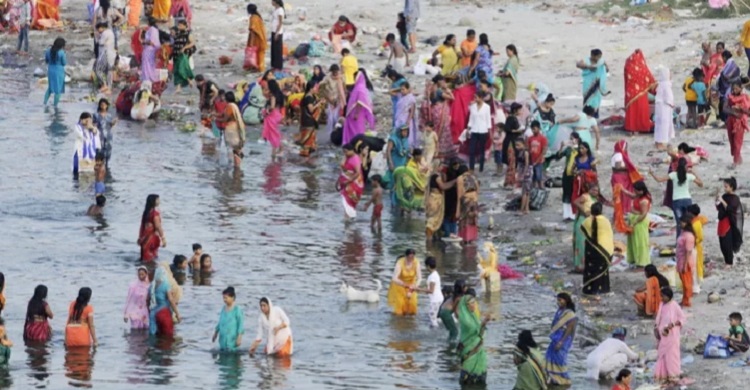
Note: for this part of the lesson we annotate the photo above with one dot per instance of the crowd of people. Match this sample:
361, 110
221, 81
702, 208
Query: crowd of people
433, 161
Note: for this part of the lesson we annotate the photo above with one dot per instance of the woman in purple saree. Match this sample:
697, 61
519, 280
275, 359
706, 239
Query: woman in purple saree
359, 113
406, 114
151, 46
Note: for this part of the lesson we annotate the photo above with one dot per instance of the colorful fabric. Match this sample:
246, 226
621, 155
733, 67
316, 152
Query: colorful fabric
359, 111
468, 217
135, 7
55, 71
256, 37
737, 124
399, 154
510, 81
594, 83
473, 355
45, 11
136, 304
149, 72
449, 58
405, 105
149, 239
485, 61
639, 249
648, 301
531, 373
638, 82
598, 255
400, 299
698, 223
231, 325
77, 332
685, 254
462, 98
668, 360
180, 9
663, 111
446, 316
161, 9
160, 315
435, 210
410, 184
271, 131
277, 343
557, 359
351, 190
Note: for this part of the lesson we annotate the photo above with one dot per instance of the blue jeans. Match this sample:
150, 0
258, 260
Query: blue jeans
477, 143
23, 38
678, 208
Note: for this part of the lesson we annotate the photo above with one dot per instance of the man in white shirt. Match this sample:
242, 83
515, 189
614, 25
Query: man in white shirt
434, 291
24, 23
277, 35
480, 123
609, 356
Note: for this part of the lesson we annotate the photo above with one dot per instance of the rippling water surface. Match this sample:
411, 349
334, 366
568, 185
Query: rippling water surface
275, 230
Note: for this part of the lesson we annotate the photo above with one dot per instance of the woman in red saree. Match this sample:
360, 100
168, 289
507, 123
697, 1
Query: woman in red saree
624, 173
737, 116
345, 29
462, 98
151, 234
351, 183
638, 82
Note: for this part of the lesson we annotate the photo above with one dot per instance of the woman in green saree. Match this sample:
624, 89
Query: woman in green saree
410, 183
530, 364
509, 74
471, 348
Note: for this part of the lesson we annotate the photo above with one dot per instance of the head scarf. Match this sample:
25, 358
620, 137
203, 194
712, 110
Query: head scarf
163, 274
276, 316
638, 78
664, 89
621, 147
361, 95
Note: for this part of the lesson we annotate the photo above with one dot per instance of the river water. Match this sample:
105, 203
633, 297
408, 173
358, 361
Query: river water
275, 230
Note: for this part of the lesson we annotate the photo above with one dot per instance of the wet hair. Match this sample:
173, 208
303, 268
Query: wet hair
652, 271
58, 45
101, 200
150, 205
84, 115
470, 32
526, 341
203, 259
624, 373
731, 182
596, 52
448, 38
252, 9
667, 292
178, 259
229, 97
390, 37
640, 186
229, 291
377, 179
84, 296
36, 306
726, 55
735, 316
458, 287
694, 209
484, 39
681, 171
596, 210
197, 246
430, 262
588, 110
535, 124
568, 301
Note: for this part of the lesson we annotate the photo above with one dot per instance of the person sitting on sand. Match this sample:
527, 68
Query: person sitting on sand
609, 356
648, 297
97, 210
737, 339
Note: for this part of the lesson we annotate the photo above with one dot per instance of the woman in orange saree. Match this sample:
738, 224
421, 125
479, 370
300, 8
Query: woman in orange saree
161, 10
151, 234
648, 297
44, 12
638, 82
256, 41
135, 8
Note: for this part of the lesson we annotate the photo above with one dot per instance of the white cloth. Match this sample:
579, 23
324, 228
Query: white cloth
663, 111
86, 146
433, 313
399, 64
275, 20
266, 325
437, 293
107, 43
350, 211
617, 158
568, 211
612, 354
480, 119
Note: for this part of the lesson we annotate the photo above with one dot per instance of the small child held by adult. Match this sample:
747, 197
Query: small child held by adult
377, 201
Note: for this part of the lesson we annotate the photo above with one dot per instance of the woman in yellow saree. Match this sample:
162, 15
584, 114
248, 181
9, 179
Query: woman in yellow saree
410, 183
161, 10
255, 50
435, 205
402, 294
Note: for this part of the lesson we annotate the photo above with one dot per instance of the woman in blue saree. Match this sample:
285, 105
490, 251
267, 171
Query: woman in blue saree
471, 348
561, 340
396, 152
594, 73
164, 294
396, 81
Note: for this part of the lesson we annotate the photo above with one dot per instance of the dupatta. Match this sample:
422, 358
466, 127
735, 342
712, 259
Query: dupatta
638, 78
361, 96
266, 324
594, 83
622, 147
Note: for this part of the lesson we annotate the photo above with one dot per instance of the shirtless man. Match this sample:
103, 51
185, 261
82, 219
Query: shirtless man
399, 58
97, 210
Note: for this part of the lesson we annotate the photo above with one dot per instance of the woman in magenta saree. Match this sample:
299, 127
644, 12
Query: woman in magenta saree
151, 234
351, 183
436, 109
359, 114
669, 322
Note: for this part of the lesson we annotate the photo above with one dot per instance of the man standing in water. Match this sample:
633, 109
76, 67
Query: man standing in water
411, 12
594, 72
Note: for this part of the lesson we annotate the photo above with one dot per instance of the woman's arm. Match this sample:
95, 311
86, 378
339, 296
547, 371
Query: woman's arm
698, 181
92, 328
572, 119
447, 94
644, 211
258, 337
660, 179
48, 311
388, 150
444, 186
160, 231
396, 274
173, 305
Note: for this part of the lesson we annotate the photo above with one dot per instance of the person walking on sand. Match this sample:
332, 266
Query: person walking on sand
594, 72
277, 35
669, 322
24, 21
56, 61
255, 50
412, 14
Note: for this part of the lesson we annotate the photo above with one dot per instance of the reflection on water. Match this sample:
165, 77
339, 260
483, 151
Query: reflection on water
79, 364
230, 369
38, 360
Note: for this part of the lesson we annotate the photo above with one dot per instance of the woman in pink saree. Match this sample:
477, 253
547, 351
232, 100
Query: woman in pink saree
406, 113
136, 305
273, 115
359, 114
351, 183
669, 322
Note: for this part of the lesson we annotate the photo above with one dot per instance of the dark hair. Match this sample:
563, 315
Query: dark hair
334, 68
200, 77
514, 107
731, 182
568, 301
470, 32
229, 291
735, 316
448, 38
687, 219
265, 300
377, 179
367, 78
182, 22
102, 101
624, 373
430, 262
152, 21
667, 292
513, 49
470, 291
279, 2
447, 292
179, 259
345, 51
101, 200
409, 252
275, 90
720, 43
484, 39
697, 73
726, 55
390, 37
526, 341
229, 97
99, 156
406, 85
652, 271
550, 98
535, 124
681, 171
57, 45
203, 259
586, 145
458, 287
150, 205
596, 210
252, 9
640, 186
575, 135
197, 246
37, 305
84, 115
596, 52
588, 110
480, 94
694, 209
104, 5
84, 296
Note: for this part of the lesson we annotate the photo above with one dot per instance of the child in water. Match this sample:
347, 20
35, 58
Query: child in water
97, 210
195, 261
377, 201
100, 172
206, 263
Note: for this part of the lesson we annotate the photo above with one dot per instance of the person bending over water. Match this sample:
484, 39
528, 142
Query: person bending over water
274, 323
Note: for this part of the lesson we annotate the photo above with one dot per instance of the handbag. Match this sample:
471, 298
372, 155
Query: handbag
251, 58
